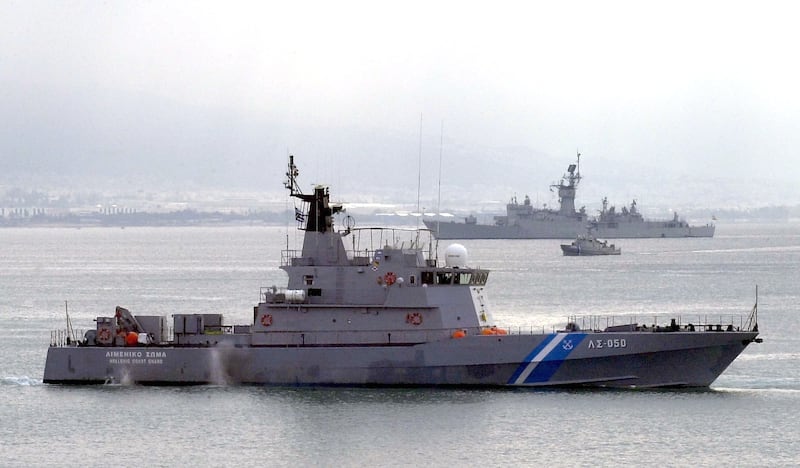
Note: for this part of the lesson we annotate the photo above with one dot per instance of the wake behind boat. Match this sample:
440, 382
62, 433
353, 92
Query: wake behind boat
589, 245
375, 306
523, 221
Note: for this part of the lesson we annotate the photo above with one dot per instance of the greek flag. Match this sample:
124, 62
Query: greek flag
299, 216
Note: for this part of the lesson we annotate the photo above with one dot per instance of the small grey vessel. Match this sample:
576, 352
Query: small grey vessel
523, 221
589, 245
364, 308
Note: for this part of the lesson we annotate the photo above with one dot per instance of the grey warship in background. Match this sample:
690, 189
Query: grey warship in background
364, 308
523, 221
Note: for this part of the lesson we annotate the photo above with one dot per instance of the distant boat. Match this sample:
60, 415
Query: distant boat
589, 245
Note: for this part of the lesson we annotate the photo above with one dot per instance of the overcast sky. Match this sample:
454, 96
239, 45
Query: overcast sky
181, 85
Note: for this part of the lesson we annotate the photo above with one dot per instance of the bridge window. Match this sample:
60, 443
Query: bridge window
427, 277
444, 277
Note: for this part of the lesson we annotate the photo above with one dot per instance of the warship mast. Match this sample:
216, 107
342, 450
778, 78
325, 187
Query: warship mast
566, 191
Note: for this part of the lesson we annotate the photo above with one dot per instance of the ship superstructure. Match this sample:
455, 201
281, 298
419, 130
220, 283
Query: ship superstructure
375, 306
523, 221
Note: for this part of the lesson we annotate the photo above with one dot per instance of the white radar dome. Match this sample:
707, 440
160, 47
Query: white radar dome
455, 256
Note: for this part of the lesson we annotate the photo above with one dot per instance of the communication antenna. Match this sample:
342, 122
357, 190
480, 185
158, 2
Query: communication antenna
70, 331
439, 195
441, 150
752, 320
289, 180
419, 166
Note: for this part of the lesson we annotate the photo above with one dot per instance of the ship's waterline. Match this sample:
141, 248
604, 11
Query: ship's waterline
386, 311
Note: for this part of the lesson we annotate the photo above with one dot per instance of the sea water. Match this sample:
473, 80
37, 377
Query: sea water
749, 417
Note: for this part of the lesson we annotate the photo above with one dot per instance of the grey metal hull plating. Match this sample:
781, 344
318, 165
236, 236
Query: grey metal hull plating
565, 229
627, 359
572, 251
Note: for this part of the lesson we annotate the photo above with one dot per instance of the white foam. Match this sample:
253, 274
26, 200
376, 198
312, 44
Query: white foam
24, 381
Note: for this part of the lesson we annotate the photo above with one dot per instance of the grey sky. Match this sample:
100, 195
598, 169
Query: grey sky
205, 86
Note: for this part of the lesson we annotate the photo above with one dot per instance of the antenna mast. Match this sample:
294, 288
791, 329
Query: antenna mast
291, 178
419, 166
439, 195
70, 330
752, 320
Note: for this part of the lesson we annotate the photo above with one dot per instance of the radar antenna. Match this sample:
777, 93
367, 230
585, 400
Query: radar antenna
317, 210
567, 188
291, 178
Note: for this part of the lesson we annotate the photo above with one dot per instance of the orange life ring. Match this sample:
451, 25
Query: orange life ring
390, 278
414, 318
266, 320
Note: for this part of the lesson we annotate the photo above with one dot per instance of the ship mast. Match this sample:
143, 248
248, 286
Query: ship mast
566, 191
291, 178
319, 214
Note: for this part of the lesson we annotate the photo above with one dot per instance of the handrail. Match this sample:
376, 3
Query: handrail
662, 322
376, 239
577, 324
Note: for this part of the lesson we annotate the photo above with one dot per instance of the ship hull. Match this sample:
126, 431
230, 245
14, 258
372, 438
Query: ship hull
628, 359
652, 229
572, 251
566, 229
532, 230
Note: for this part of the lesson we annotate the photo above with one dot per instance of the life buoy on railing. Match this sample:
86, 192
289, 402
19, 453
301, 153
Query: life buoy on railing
390, 278
414, 318
104, 335
266, 320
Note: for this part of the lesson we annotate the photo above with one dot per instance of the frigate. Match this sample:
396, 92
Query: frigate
524, 221
372, 307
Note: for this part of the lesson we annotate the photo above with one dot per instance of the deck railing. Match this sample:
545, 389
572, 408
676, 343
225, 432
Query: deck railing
587, 324
362, 244
662, 322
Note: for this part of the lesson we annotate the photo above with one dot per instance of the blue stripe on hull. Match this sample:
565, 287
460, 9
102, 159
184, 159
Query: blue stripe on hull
530, 357
538, 368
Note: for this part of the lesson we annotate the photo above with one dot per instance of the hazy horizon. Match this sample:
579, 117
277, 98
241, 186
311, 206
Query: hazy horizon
684, 104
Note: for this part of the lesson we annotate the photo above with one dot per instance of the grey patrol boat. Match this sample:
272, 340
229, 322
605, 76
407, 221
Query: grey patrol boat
523, 221
388, 313
588, 245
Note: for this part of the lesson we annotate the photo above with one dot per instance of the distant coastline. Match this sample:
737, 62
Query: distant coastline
41, 208
191, 217
176, 218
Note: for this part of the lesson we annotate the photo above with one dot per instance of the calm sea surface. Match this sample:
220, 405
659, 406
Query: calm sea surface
749, 417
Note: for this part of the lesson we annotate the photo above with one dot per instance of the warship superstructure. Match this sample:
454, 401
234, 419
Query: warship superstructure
523, 221
364, 307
